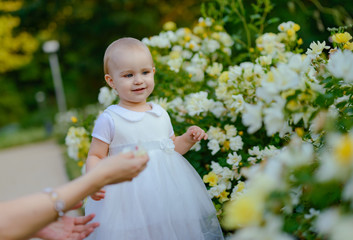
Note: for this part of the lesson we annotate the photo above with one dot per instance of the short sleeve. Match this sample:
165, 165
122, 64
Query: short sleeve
104, 128
171, 131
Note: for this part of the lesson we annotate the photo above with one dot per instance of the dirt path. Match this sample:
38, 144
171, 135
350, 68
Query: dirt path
30, 168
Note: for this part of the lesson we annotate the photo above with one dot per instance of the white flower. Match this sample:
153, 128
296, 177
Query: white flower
197, 103
210, 45
264, 60
175, 64
216, 168
285, 26
236, 143
312, 213
216, 190
227, 51
193, 45
163, 102
213, 146
231, 131
217, 108
284, 77
177, 104
160, 41
76, 136
340, 65
317, 48
274, 118
215, 69
238, 103
208, 21
234, 159
217, 134
227, 175
186, 54
106, 96
196, 147
252, 117
235, 72
327, 220
226, 39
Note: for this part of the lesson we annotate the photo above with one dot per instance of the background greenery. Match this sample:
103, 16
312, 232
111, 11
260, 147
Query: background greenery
85, 27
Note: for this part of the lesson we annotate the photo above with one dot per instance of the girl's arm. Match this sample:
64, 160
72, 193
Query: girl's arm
23, 217
184, 142
97, 151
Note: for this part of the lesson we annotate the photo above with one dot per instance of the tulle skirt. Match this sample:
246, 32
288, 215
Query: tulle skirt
167, 201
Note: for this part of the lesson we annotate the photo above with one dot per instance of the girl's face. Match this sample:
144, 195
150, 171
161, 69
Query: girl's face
131, 75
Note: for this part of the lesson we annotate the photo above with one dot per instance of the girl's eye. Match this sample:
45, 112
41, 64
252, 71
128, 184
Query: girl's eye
128, 75
146, 72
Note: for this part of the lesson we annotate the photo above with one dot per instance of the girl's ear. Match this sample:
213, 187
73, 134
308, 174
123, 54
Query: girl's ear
154, 70
109, 80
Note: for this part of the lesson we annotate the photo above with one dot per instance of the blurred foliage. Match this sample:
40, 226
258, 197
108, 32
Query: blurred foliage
85, 27
246, 20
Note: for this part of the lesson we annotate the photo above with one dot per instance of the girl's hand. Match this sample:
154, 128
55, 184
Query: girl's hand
98, 195
196, 134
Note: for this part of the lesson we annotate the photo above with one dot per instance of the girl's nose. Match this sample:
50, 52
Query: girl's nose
138, 79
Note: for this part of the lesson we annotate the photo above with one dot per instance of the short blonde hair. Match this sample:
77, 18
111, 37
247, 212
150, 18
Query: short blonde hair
122, 43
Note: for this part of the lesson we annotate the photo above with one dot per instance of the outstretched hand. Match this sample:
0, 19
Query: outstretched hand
68, 228
196, 134
98, 195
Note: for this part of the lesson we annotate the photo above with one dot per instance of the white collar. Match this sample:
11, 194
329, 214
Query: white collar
134, 116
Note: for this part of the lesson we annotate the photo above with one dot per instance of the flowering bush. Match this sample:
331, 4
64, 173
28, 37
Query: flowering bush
278, 161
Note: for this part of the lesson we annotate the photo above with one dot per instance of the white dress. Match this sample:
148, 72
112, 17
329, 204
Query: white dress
167, 201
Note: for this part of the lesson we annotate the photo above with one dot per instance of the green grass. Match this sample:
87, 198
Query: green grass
22, 136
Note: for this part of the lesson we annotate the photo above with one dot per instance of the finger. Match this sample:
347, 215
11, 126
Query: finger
200, 137
126, 155
78, 205
84, 219
205, 137
85, 228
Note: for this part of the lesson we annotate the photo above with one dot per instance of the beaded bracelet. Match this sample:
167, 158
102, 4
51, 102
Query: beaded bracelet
59, 204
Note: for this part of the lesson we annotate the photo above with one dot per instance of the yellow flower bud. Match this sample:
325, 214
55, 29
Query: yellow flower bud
343, 151
74, 119
218, 28
290, 32
187, 38
292, 105
300, 41
341, 37
296, 27
215, 36
169, 26
299, 131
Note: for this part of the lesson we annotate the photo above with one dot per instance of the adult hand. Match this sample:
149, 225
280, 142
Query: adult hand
68, 228
123, 167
